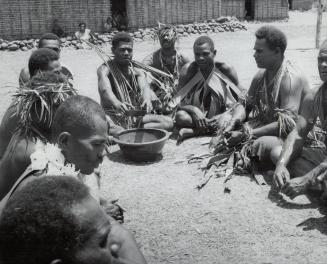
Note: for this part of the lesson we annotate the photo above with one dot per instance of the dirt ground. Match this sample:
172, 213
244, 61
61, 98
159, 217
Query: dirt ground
172, 221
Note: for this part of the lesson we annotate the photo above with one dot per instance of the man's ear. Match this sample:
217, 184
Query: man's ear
215, 52
278, 50
56, 261
63, 140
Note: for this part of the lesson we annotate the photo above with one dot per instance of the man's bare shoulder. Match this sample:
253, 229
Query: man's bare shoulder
189, 69
103, 69
24, 75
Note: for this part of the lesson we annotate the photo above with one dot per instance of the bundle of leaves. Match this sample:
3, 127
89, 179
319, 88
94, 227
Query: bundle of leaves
37, 101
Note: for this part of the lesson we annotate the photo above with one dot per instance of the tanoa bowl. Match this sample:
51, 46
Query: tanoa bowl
142, 144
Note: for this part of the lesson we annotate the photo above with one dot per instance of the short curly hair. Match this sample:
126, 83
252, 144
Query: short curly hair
275, 37
76, 115
121, 37
40, 59
38, 225
203, 40
48, 36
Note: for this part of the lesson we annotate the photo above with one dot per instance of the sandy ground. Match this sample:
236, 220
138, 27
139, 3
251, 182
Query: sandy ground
172, 221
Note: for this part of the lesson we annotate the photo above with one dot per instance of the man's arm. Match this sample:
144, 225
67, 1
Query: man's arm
145, 89
290, 99
108, 98
293, 144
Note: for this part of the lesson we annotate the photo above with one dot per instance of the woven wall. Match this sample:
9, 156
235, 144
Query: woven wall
31, 18
233, 8
302, 4
270, 9
144, 13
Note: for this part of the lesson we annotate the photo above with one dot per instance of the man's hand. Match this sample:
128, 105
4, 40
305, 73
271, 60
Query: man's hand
122, 108
281, 176
296, 186
233, 137
200, 121
147, 105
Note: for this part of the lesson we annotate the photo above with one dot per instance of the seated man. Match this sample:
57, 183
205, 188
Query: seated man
84, 33
274, 98
79, 136
48, 41
167, 59
124, 91
207, 89
41, 61
66, 226
305, 164
25, 125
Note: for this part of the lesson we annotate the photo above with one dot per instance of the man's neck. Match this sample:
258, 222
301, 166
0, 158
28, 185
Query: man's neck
273, 69
207, 71
168, 51
122, 67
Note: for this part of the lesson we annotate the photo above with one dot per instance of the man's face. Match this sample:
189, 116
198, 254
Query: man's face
123, 53
95, 224
263, 55
204, 56
322, 64
51, 44
82, 28
86, 151
166, 41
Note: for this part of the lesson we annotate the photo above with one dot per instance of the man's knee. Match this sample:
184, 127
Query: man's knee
263, 147
275, 153
183, 119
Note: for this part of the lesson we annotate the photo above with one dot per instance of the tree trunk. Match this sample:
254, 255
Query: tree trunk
319, 20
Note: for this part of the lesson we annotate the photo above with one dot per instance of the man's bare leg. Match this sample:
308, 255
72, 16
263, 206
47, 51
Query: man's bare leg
185, 124
158, 121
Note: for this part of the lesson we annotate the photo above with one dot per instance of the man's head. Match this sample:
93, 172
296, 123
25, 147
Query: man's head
270, 46
54, 220
122, 48
167, 36
204, 52
42, 60
38, 100
82, 27
50, 41
322, 61
80, 129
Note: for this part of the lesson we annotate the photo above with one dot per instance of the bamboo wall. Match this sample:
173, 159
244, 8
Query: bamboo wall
233, 8
270, 9
144, 13
302, 4
31, 18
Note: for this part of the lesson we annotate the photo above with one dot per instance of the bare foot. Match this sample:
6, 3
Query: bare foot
184, 133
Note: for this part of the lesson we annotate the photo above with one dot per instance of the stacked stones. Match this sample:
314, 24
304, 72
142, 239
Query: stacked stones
221, 24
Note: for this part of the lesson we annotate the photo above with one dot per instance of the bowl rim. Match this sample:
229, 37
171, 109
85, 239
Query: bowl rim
141, 144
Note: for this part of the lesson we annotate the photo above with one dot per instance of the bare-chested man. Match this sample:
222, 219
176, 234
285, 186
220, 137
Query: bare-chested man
48, 41
206, 90
124, 91
41, 60
168, 58
302, 167
274, 98
28, 127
